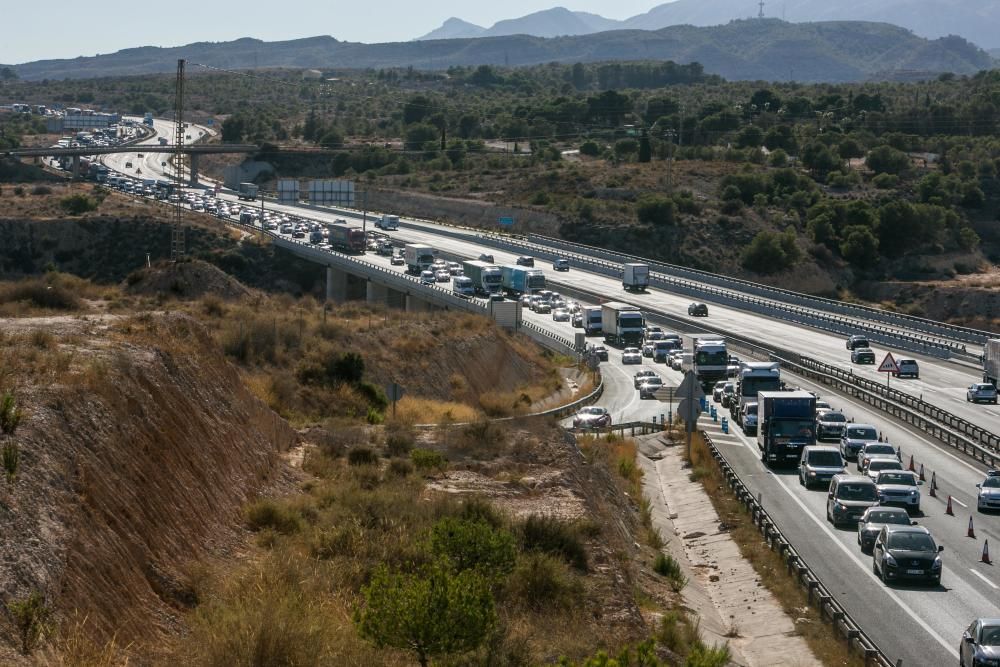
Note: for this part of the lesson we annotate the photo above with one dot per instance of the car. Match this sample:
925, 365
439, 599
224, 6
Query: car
543, 307
526, 300
822, 405
830, 424
600, 351
981, 392
397, 260
561, 264
442, 276
650, 330
862, 355
728, 392
128, 165
647, 349
641, 376
573, 307
698, 310
717, 391
427, 278
454, 268
140, 155
677, 361
877, 464
989, 492
649, 388
907, 368
906, 552
577, 320
662, 349
856, 437
874, 518
871, 450
898, 487
524, 260
748, 419
560, 315
980, 643
732, 370
848, 498
592, 416
857, 341
654, 335
819, 464
631, 355
486, 258
439, 265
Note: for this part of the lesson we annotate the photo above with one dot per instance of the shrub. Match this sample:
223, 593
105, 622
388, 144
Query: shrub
541, 582
590, 148
885, 181
264, 513
31, 618
765, 254
888, 160
468, 544
479, 509
552, 536
426, 460
666, 566
656, 210
362, 456
41, 294
41, 190
399, 440
78, 204
400, 467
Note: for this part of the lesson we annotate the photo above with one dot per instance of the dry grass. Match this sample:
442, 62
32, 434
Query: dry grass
825, 643
415, 410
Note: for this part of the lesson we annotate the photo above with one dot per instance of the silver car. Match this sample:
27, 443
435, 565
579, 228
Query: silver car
855, 437
898, 487
981, 392
648, 388
880, 463
818, 465
989, 492
830, 424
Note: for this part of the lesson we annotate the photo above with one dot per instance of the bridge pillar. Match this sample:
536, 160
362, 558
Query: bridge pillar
395, 299
377, 294
76, 167
193, 161
336, 285
416, 305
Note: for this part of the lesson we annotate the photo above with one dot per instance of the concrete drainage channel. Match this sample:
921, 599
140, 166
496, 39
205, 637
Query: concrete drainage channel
816, 592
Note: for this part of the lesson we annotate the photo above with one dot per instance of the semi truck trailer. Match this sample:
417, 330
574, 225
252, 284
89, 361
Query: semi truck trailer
622, 324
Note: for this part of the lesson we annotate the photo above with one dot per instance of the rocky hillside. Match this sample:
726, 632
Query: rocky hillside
139, 448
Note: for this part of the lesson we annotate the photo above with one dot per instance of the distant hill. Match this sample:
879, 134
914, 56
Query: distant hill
455, 28
975, 20
555, 22
755, 49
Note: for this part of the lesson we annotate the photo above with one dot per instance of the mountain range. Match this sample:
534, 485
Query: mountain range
758, 49
976, 20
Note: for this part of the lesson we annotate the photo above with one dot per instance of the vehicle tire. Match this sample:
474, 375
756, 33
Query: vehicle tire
881, 573
802, 482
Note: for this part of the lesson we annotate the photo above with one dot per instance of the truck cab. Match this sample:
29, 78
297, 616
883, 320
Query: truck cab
785, 424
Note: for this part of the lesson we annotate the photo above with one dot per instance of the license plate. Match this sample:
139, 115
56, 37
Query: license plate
914, 571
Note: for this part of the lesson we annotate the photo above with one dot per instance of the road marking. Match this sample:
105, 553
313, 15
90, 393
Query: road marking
867, 570
984, 578
959, 502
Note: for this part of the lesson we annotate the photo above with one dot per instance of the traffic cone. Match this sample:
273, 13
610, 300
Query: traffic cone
933, 491
911, 468
948, 510
986, 553
899, 453
922, 478
972, 531
880, 436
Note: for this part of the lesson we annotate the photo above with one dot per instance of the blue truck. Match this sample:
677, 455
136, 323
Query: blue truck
518, 280
786, 422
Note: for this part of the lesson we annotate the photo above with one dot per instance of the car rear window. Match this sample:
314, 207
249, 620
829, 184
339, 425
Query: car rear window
833, 417
901, 518
884, 465
858, 433
856, 491
825, 459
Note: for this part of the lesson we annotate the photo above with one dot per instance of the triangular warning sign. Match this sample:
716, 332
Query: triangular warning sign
888, 364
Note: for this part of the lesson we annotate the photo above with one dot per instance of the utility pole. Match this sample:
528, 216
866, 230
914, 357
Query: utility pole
177, 249
670, 160
760, 14
364, 215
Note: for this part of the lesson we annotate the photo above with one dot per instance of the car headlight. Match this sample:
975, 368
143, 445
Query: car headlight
937, 563
812, 473
913, 492
890, 560
837, 506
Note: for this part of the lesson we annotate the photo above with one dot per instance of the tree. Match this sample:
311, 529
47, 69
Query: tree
590, 148
233, 129
860, 247
332, 138
416, 109
422, 136
819, 158
766, 254
625, 148
468, 545
432, 613
656, 210
780, 136
7, 74
645, 150
888, 160
750, 137
765, 100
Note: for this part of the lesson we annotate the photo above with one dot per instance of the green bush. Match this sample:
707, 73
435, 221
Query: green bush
656, 210
590, 148
263, 514
541, 582
362, 456
885, 181
399, 440
31, 618
400, 467
552, 536
77, 204
426, 460
41, 190
666, 566
770, 252
470, 545
888, 160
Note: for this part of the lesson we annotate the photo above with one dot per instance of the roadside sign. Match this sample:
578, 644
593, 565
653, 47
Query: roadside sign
688, 411
888, 364
506, 221
393, 391
580, 341
665, 394
593, 362
690, 388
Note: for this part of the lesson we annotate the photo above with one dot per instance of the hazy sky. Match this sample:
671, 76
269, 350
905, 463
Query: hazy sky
67, 29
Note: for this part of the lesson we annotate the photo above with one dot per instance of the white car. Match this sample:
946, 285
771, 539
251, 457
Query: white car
427, 277
898, 487
647, 349
878, 464
631, 355
649, 387
989, 492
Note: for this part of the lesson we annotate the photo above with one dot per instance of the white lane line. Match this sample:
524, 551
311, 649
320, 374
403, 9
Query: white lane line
984, 578
864, 568
959, 501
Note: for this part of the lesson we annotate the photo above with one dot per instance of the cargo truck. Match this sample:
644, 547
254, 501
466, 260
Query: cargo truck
991, 361
593, 321
635, 277
753, 378
786, 422
247, 191
518, 280
487, 279
622, 324
418, 257
346, 238
387, 222
710, 360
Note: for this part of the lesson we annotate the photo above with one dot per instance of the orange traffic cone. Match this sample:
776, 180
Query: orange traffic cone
922, 478
911, 468
986, 553
972, 531
933, 492
948, 510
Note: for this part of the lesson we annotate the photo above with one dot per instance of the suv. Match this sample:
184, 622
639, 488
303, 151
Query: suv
482, 258
748, 419
855, 438
698, 310
873, 449
989, 492
862, 355
830, 424
819, 464
878, 464
561, 264
848, 498
981, 392
898, 487
856, 341
906, 552
907, 368
524, 260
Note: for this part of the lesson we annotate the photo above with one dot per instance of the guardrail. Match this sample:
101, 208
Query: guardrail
816, 592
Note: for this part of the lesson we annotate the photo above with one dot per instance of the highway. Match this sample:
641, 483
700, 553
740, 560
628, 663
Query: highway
919, 625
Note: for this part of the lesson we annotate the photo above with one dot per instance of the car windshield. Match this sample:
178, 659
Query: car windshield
884, 465
861, 433
906, 541
899, 478
752, 409
833, 417
792, 428
653, 380
825, 459
593, 411
990, 635
729, 388
857, 491
901, 518
991, 483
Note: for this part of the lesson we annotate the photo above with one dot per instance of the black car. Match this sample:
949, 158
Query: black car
524, 260
698, 310
856, 341
906, 552
872, 521
601, 352
486, 258
980, 643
